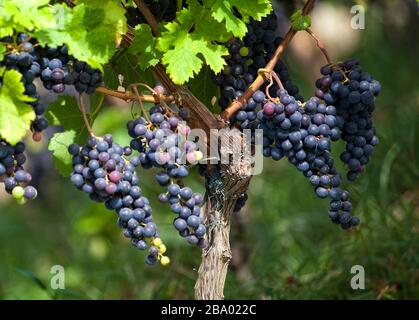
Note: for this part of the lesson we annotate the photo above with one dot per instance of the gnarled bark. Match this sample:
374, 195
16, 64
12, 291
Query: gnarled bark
224, 184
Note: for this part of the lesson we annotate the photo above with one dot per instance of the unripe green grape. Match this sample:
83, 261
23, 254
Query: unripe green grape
162, 248
244, 51
164, 261
227, 70
18, 192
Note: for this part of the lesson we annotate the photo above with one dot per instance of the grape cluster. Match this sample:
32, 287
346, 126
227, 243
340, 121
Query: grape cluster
245, 58
302, 132
162, 143
353, 93
54, 66
13, 174
261, 38
101, 169
59, 69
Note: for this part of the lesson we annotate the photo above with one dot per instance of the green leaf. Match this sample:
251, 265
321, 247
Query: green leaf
91, 30
204, 88
56, 34
181, 60
65, 112
223, 10
94, 30
195, 36
59, 146
299, 21
25, 15
205, 26
190, 40
15, 112
2, 51
30, 275
144, 47
127, 66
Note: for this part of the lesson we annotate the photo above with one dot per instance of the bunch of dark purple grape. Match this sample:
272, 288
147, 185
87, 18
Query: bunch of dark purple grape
13, 174
303, 132
246, 57
353, 92
59, 69
162, 143
54, 66
101, 169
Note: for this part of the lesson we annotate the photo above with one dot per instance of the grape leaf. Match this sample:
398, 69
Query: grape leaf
15, 112
2, 51
190, 40
144, 46
56, 34
91, 30
59, 146
127, 67
204, 88
299, 21
94, 30
25, 15
181, 61
65, 112
200, 18
223, 10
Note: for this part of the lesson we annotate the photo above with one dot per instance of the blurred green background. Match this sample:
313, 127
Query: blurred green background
284, 246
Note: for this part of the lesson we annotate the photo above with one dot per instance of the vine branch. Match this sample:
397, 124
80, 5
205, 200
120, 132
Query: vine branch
320, 45
149, 17
260, 79
70, 3
83, 112
130, 96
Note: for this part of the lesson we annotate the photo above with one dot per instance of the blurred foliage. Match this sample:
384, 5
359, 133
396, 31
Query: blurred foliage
283, 243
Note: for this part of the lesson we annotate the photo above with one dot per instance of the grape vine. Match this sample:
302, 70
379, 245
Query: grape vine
171, 43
